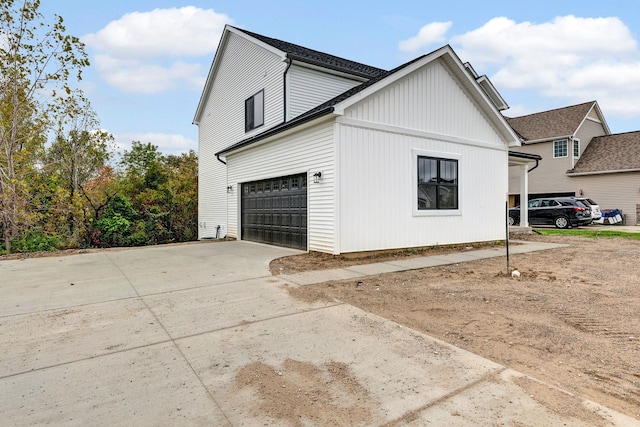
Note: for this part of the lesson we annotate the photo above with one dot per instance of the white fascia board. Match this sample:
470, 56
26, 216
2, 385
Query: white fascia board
555, 138
340, 107
228, 29
450, 58
212, 72
601, 172
240, 33
282, 134
601, 116
603, 122
491, 90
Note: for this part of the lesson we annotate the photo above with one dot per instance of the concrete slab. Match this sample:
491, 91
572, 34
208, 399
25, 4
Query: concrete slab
168, 268
504, 400
415, 263
147, 386
405, 373
158, 336
527, 247
194, 311
319, 276
38, 284
57, 337
374, 269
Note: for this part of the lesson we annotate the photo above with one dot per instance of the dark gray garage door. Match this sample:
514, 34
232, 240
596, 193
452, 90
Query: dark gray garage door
274, 211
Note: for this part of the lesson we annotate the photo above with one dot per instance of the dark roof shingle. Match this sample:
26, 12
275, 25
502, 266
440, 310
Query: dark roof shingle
315, 57
618, 152
552, 123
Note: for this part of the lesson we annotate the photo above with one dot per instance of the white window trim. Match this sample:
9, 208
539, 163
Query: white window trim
566, 141
575, 141
415, 153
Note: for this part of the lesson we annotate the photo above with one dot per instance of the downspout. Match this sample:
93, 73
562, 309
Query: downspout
537, 164
284, 88
224, 163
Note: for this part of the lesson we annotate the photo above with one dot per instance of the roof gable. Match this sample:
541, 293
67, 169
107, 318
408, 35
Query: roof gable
552, 124
610, 153
286, 50
339, 103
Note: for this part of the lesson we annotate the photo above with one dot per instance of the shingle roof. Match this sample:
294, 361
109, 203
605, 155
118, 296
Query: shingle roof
320, 110
607, 153
552, 123
310, 56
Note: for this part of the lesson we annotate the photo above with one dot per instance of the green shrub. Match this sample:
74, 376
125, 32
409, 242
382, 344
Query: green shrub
37, 241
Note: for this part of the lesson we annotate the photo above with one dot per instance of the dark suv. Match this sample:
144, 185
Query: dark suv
563, 212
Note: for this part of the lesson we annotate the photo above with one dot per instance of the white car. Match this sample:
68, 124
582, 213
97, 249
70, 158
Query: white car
595, 208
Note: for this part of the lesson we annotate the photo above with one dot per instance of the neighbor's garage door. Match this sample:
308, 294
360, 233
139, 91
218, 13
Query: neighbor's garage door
274, 211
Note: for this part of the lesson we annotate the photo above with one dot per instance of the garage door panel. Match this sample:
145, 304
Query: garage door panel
275, 211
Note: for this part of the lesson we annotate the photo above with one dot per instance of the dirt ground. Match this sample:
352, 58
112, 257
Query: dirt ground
572, 319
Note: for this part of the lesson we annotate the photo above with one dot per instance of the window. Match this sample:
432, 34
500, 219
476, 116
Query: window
560, 148
254, 111
576, 148
437, 183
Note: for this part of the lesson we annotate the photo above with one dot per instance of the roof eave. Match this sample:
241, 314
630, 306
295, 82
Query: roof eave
550, 139
276, 130
601, 172
452, 60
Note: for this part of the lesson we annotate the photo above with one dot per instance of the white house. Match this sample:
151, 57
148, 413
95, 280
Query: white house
304, 149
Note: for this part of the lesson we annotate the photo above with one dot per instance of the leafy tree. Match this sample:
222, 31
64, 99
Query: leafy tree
182, 186
37, 60
79, 150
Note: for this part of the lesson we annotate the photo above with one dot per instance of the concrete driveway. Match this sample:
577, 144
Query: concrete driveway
159, 336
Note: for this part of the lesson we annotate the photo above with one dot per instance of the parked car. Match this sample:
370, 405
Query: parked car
595, 208
563, 212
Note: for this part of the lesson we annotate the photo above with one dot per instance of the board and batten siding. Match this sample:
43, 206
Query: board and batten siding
429, 99
307, 88
378, 192
307, 151
244, 69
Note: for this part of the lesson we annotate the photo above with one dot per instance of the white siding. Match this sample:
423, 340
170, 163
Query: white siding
243, 70
309, 88
309, 151
377, 192
429, 99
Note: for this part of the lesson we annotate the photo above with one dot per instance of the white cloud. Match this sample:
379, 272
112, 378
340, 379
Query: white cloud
188, 31
131, 76
428, 35
167, 143
570, 58
147, 52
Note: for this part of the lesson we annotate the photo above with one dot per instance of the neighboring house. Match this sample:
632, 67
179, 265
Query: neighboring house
609, 172
581, 158
303, 149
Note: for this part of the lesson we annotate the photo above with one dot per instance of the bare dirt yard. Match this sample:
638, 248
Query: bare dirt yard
572, 319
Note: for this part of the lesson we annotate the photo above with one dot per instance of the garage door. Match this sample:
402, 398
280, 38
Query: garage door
274, 211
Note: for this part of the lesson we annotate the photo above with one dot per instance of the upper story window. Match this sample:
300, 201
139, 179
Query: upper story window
437, 183
254, 111
560, 148
576, 148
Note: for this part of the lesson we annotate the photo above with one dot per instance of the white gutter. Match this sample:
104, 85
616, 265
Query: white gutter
602, 172
555, 138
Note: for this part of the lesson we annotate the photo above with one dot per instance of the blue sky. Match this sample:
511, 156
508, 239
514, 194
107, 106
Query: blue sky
150, 58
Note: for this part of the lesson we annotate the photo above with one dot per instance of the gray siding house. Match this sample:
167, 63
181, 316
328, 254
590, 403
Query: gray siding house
581, 158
